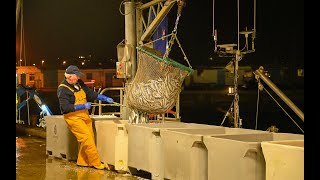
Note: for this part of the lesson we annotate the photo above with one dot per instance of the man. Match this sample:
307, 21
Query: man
73, 95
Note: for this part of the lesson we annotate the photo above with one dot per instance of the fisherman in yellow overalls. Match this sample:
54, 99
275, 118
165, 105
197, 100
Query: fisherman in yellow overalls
73, 94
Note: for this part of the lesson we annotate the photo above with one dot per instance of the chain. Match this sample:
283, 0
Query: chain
173, 36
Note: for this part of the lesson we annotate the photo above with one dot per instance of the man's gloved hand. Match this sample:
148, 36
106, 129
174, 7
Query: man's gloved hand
105, 98
87, 105
82, 106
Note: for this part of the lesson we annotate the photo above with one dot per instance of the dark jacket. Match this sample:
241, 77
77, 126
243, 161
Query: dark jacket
67, 98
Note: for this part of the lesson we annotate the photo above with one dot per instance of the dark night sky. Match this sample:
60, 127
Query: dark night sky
60, 28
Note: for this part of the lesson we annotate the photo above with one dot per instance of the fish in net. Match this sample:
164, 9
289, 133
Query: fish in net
157, 83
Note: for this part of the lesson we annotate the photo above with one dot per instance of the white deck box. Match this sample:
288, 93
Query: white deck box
60, 142
146, 147
185, 155
284, 159
240, 157
112, 143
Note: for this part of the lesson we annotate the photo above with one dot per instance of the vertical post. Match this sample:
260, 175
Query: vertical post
131, 39
178, 107
236, 96
130, 33
162, 118
121, 102
28, 110
139, 25
19, 112
17, 101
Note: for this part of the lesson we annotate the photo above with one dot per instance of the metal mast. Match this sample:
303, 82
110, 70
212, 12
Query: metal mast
227, 50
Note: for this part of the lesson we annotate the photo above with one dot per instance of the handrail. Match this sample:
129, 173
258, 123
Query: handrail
121, 89
279, 93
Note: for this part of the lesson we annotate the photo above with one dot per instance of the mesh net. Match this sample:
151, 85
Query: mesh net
157, 83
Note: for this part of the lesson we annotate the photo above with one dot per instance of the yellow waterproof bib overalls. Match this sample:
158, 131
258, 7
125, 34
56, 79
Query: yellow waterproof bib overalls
80, 125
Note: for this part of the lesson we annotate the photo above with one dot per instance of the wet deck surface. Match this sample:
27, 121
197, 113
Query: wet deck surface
33, 163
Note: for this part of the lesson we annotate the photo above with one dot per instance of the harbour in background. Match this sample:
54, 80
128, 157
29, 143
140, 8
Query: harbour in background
210, 107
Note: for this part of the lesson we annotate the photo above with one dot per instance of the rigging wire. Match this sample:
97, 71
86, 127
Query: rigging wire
174, 34
22, 40
21, 33
257, 111
238, 7
173, 37
284, 110
18, 12
227, 114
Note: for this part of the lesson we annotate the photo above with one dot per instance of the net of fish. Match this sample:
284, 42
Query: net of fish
157, 83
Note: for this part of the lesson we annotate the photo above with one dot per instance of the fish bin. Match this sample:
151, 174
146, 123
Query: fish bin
185, 155
284, 159
112, 143
145, 146
240, 157
60, 142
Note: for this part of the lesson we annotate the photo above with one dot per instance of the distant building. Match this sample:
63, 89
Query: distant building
29, 76
33, 77
99, 77
212, 76
50, 77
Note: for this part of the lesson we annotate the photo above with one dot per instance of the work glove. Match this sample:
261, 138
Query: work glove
82, 106
105, 98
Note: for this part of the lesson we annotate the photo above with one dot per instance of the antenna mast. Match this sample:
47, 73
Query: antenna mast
227, 50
